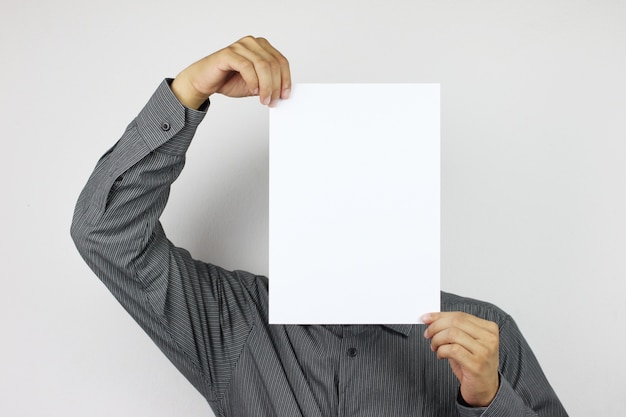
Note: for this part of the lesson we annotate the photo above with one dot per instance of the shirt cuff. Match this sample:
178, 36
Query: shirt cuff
506, 403
167, 126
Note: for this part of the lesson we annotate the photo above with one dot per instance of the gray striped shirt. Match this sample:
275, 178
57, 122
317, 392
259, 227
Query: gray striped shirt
212, 323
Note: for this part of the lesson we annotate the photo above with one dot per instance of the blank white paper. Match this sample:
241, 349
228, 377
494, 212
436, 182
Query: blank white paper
354, 228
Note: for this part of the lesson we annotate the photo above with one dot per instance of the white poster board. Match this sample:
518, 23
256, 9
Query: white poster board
354, 223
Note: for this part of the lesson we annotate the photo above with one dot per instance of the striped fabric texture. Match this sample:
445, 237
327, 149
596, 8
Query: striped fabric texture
212, 323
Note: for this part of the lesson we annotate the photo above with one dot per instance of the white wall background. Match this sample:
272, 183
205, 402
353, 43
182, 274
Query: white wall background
533, 174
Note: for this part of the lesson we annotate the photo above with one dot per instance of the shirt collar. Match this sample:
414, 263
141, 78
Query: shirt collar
338, 329
405, 329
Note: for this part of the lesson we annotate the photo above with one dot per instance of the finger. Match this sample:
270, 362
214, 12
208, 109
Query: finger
451, 335
232, 61
456, 353
455, 336
463, 324
268, 69
254, 70
474, 326
451, 315
285, 71
467, 366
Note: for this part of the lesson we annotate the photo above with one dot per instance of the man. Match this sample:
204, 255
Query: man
212, 323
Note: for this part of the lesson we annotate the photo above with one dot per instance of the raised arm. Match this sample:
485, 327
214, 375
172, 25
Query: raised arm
197, 313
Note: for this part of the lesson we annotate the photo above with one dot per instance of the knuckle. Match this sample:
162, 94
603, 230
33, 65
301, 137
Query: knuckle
443, 352
248, 38
263, 65
246, 65
235, 47
453, 333
274, 66
455, 350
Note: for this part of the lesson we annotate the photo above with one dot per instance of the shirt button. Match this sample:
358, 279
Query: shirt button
165, 126
352, 352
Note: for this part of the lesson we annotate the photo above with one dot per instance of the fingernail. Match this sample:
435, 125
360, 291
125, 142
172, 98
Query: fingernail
286, 93
255, 91
426, 318
267, 100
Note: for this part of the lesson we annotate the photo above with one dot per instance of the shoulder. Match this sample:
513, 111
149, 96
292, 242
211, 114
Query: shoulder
478, 308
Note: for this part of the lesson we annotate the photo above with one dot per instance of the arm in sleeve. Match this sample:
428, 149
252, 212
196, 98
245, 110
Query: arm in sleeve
524, 389
197, 313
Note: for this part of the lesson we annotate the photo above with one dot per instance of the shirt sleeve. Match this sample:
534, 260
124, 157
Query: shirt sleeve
524, 389
195, 312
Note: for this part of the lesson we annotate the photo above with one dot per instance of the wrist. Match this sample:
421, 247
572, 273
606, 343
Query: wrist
479, 399
186, 93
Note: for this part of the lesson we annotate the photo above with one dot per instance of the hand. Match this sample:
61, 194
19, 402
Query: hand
248, 67
471, 345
